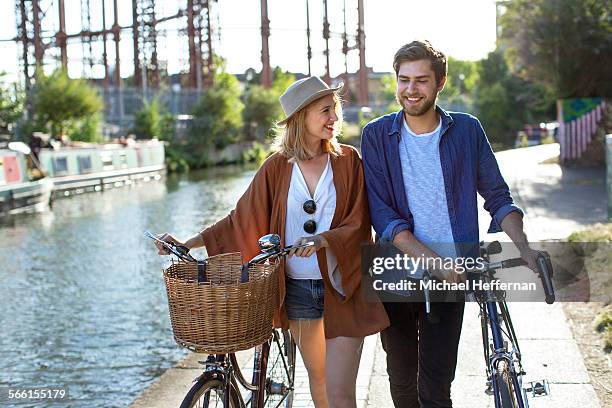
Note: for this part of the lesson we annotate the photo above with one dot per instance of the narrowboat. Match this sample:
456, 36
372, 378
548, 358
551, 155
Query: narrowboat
23, 186
84, 168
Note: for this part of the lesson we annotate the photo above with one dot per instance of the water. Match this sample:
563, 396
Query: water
82, 299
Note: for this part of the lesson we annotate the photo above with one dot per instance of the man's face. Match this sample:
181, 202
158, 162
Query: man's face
416, 87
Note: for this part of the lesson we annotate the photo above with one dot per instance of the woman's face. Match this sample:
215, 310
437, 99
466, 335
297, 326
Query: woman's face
321, 118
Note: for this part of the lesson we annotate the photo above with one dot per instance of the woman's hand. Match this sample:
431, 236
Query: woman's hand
166, 238
318, 240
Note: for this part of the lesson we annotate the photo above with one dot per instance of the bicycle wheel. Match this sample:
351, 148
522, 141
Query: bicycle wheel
280, 372
209, 393
505, 386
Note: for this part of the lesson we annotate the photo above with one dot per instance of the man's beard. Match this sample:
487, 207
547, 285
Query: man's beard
419, 110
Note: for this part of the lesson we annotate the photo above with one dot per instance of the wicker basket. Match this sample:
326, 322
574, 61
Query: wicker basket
221, 315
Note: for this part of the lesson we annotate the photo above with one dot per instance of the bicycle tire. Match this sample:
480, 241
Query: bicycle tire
505, 387
280, 371
208, 393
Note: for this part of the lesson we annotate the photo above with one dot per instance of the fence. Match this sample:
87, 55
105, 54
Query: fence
120, 104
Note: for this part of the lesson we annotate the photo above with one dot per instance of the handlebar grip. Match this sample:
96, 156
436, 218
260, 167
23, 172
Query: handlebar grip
513, 263
546, 271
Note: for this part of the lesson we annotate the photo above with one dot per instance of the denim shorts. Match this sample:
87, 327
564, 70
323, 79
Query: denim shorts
304, 298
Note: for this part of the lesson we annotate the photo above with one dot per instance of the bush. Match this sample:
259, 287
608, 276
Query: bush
175, 160
86, 129
152, 121
217, 119
258, 153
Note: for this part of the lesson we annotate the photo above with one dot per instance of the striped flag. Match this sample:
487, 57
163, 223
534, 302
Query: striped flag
578, 120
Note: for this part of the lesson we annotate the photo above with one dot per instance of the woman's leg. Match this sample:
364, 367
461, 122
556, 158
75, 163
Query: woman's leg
341, 367
310, 338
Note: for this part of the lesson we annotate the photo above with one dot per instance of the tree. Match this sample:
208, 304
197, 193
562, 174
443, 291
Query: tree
153, 121
462, 77
565, 45
281, 80
505, 102
262, 107
261, 110
11, 107
62, 102
217, 118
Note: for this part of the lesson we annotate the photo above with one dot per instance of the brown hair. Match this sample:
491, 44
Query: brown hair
421, 50
289, 140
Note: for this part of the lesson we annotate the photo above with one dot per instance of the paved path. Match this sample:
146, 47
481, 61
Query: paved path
557, 202
172, 386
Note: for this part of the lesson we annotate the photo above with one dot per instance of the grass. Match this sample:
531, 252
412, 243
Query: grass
598, 263
599, 233
603, 325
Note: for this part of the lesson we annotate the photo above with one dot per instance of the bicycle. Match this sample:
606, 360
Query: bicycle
504, 369
222, 376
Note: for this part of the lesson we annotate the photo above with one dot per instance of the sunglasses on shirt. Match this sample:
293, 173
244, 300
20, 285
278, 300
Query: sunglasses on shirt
310, 207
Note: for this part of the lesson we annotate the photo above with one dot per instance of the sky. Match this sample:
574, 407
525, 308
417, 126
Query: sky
461, 29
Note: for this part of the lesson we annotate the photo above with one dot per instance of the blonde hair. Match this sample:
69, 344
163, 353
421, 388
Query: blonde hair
290, 138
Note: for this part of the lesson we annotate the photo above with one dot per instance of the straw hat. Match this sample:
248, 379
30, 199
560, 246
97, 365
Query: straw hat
301, 93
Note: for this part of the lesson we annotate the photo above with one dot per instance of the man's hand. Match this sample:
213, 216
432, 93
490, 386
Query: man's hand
450, 275
531, 257
318, 240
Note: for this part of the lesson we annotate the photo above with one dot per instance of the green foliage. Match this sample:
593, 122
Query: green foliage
86, 129
152, 121
60, 102
11, 107
462, 77
599, 233
217, 119
257, 153
563, 44
175, 160
603, 324
505, 102
388, 90
281, 80
261, 110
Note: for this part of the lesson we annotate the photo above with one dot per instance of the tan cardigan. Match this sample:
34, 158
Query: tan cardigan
262, 210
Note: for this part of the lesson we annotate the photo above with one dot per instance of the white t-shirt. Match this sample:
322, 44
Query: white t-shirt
325, 199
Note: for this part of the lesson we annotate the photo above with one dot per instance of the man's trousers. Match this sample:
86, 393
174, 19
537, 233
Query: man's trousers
422, 354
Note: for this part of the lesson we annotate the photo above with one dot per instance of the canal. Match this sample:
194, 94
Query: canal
82, 299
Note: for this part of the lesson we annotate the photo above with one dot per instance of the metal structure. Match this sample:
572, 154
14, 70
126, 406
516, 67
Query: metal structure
40, 45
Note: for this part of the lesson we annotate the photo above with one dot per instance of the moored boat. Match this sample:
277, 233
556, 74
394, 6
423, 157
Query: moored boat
84, 168
23, 187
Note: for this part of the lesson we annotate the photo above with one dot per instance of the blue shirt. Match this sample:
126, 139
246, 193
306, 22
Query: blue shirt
468, 167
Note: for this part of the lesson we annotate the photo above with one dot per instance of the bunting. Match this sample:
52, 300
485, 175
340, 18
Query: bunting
578, 120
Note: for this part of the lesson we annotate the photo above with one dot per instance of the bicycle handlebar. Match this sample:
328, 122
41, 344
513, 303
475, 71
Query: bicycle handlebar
545, 271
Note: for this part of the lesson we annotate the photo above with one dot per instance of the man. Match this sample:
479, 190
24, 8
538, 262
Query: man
423, 167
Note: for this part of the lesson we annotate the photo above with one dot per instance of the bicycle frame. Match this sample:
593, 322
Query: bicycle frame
504, 357
490, 316
225, 368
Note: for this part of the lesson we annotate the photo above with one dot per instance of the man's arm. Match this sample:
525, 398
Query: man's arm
386, 220
512, 224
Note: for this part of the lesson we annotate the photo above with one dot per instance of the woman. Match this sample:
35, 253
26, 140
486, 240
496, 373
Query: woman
311, 190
